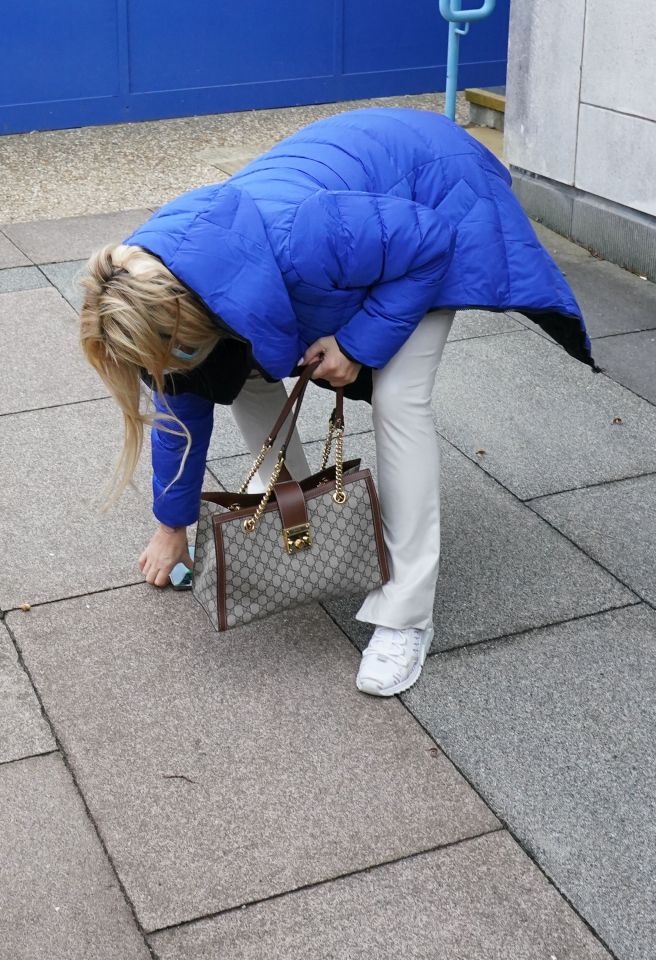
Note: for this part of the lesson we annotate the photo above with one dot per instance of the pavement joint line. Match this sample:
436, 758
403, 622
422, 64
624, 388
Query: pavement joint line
64, 298
623, 333
325, 880
54, 406
29, 756
74, 596
17, 244
71, 773
585, 486
526, 631
506, 826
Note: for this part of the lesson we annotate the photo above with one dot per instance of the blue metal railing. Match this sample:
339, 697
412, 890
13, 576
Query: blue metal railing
459, 21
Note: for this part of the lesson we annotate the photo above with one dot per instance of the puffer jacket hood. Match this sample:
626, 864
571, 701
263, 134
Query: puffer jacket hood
355, 227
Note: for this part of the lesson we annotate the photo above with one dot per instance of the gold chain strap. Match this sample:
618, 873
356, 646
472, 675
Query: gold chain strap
339, 496
328, 444
251, 523
256, 466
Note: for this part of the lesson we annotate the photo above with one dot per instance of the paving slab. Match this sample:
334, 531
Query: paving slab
59, 898
10, 255
557, 729
543, 418
21, 278
631, 360
199, 755
500, 572
65, 277
72, 238
560, 248
615, 523
477, 900
49, 368
54, 466
23, 729
481, 323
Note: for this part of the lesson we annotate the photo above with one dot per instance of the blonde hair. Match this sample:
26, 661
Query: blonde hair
134, 315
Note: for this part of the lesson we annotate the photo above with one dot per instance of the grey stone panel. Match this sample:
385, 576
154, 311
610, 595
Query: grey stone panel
59, 898
66, 277
499, 571
631, 360
21, 278
54, 468
544, 200
10, 255
23, 729
615, 523
617, 57
624, 236
542, 85
223, 769
49, 368
557, 729
73, 238
616, 157
477, 900
544, 419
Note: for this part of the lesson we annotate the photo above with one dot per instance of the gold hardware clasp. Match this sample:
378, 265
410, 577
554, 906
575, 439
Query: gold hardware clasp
297, 538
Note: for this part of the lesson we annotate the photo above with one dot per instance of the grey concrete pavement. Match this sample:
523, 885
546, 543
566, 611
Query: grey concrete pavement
556, 729
226, 770
471, 901
59, 897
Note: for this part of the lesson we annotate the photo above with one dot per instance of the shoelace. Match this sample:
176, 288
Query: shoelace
394, 645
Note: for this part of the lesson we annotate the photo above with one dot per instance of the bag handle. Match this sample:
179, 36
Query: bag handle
295, 400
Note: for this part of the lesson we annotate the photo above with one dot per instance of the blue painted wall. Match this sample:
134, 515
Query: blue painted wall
70, 63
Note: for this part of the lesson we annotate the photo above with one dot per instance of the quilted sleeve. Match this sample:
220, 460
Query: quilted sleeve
179, 506
397, 249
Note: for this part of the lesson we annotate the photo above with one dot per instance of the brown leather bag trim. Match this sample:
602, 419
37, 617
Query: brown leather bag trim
291, 503
378, 529
221, 612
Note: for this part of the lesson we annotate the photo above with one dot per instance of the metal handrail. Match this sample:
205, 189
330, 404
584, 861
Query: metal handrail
459, 21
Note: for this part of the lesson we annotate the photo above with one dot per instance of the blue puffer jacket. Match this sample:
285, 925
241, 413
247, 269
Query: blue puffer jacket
355, 226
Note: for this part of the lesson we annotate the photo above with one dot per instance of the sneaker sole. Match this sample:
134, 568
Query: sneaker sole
410, 680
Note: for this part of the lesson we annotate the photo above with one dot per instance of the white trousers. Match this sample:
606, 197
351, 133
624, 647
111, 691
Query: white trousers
408, 462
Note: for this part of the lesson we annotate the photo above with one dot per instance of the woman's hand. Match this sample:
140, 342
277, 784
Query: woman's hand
336, 368
167, 547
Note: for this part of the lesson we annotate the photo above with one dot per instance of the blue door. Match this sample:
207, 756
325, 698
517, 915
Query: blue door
68, 63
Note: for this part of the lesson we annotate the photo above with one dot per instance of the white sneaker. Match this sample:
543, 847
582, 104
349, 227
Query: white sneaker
393, 660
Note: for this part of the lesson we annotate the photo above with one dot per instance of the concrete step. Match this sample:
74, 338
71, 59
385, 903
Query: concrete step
487, 106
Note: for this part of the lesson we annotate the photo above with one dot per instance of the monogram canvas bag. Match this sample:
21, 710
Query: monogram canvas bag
257, 554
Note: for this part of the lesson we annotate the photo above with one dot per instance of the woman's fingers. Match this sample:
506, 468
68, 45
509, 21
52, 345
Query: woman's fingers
162, 577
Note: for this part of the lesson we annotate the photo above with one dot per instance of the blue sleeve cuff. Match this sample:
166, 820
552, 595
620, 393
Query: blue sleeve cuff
179, 505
